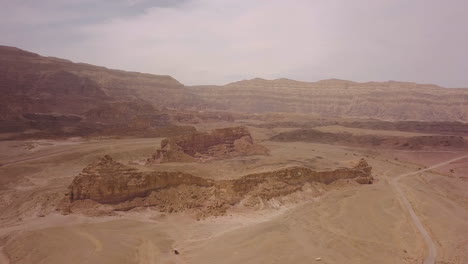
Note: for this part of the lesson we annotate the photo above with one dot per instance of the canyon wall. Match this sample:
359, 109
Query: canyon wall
382, 100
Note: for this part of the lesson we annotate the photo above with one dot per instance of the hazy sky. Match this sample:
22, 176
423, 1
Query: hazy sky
219, 41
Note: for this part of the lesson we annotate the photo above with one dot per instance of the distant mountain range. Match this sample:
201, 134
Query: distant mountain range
381, 100
30, 83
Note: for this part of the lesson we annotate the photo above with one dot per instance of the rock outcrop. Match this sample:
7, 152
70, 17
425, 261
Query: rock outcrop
108, 181
122, 187
391, 142
220, 143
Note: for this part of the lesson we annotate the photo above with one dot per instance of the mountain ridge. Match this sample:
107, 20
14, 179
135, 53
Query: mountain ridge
333, 81
391, 100
31, 83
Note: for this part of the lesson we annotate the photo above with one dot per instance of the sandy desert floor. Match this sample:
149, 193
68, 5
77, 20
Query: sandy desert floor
347, 224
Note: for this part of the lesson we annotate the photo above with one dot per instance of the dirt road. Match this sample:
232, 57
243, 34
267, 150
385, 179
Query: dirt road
69, 149
432, 251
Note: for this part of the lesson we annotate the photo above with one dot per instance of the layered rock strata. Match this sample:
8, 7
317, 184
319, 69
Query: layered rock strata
108, 181
123, 187
382, 100
220, 143
391, 142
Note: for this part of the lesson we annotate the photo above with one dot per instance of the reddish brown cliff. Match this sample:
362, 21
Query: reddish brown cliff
110, 182
220, 143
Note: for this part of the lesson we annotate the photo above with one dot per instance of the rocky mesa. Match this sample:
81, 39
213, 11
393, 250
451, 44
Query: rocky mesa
108, 181
217, 144
123, 187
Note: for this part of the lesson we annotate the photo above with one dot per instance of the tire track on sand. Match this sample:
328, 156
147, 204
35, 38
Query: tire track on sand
432, 251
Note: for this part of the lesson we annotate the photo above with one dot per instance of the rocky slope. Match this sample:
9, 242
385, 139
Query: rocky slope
393, 142
382, 100
129, 118
123, 187
30, 83
220, 143
45, 97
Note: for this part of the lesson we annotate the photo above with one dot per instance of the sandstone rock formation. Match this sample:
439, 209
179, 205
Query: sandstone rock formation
395, 142
108, 181
123, 187
382, 100
220, 143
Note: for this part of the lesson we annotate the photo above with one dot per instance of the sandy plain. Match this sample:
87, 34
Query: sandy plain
346, 223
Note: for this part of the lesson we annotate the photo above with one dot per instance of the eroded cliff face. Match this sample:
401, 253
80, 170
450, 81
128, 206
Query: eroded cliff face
108, 181
220, 143
112, 183
382, 100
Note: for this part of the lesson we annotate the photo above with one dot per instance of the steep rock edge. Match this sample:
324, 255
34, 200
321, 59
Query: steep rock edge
108, 181
112, 183
219, 143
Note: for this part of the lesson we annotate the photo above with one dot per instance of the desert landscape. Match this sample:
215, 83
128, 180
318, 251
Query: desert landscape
107, 166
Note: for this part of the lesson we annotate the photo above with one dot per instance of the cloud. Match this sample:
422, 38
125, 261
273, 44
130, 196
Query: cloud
212, 41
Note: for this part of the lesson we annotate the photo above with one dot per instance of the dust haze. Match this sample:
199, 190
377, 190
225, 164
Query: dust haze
116, 146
